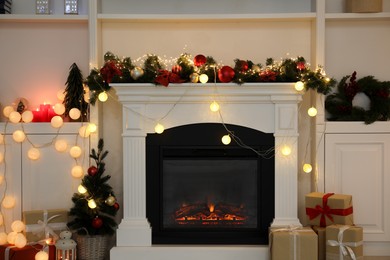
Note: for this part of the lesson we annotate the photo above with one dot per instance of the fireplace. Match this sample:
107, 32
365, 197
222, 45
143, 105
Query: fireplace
199, 191
270, 108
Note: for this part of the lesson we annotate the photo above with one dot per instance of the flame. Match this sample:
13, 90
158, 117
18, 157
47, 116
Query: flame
211, 207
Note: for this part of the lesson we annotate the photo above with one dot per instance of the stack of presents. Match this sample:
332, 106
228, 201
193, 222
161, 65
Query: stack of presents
41, 229
331, 235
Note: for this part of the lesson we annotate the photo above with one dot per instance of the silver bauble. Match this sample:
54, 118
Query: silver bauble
136, 73
110, 201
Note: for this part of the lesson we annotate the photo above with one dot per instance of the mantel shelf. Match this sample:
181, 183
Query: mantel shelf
43, 18
357, 16
204, 17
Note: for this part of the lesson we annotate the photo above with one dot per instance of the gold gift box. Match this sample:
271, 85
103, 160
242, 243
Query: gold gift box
338, 209
320, 231
338, 236
36, 220
293, 243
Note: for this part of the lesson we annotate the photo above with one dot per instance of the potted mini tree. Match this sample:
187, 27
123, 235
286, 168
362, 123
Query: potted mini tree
95, 207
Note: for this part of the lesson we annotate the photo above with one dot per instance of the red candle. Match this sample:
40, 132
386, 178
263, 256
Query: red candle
44, 108
37, 115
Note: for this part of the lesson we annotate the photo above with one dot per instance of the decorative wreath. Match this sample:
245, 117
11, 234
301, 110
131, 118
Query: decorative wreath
188, 69
344, 105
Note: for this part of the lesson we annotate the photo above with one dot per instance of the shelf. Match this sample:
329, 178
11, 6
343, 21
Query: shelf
358, 16
205, 17
43, 18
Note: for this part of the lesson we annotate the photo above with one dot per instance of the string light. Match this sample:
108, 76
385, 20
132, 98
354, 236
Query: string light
61, 145
27, 116
59, 108
61, 95
74, 113
14, 117
20, 240
56, 121
81, 189
214, 106
286, 150
7, 111
8, 202
92, 127
307, 168
203, 78
226, 139
84, 131
312, 111
299, 86
159, 128
3, 238
18, 136
92, 203
33, 154
103, 96
11, 237
41, 255
75, 151
77, 171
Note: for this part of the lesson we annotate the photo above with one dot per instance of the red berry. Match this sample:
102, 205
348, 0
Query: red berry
92, 171
97, 223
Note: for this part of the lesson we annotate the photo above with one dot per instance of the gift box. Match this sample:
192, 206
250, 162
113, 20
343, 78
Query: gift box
10, 252
364, 6
344, 242
320, 231
43, 224
293, 243
323, 209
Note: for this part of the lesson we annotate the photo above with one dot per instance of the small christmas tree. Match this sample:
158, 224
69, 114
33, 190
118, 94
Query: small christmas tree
95, 205
74, 92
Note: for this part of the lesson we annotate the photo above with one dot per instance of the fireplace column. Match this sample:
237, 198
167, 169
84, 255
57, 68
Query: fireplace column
134, 230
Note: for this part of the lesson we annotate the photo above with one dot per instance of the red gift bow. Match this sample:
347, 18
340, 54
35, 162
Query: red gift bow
325, 210
165, 77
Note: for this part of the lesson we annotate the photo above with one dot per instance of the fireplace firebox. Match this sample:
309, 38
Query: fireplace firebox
199, 191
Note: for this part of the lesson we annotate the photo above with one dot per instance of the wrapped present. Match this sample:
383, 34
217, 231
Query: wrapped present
293, 243
11, 252
344, 242
327, 209
320, 231
44, 224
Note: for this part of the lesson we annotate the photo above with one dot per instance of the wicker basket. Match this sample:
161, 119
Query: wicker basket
92, 247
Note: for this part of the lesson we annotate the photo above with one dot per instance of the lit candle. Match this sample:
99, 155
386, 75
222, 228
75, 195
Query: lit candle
44, 108
37, 115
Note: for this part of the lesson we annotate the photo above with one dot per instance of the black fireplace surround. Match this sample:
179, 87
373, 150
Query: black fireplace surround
199, 191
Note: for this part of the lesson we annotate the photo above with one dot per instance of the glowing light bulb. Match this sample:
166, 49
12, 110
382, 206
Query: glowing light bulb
7, 111
8, 202
84, 131
103, 96
92, 127
92, 203
214, 106
312, 111
286, 150
75, 151
299, 86
33, 154
77, 171
203, 78
41, 255
226, 139
59, 108
15, 117
3, 238
81, 189
17, 226
307, 168
27, 116
20, 240
74, 113
61, 95
159, 128
56, 121
61, 145
11, 237
18, 136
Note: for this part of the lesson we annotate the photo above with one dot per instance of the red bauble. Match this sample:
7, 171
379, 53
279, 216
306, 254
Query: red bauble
176, 69
92, 171
116, 206
97, 223
226, 74
242, 65
301, 65
199, 60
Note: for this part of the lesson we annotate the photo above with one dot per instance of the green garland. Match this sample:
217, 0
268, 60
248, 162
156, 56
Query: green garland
117, 70
340, 106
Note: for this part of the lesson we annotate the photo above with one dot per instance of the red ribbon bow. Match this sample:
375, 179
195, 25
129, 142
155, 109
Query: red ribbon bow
325, 210
165, 77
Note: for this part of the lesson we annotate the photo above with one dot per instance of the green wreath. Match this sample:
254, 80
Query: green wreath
340, 106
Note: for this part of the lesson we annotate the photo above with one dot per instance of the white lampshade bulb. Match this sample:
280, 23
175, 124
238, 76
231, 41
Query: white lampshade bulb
27, 116
18, 136
84, 131
59, 108
299, 86
226, 139
17, 226
92, 127
103, 96
8, 202
41, 255
312, 111
33, 154
77, 171
7, 111
61, 145
159, 128
61, 95
15, 117
75, 151
214, 106
56, 121
74, 113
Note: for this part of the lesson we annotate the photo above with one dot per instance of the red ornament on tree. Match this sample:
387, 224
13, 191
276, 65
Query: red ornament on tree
226, 74
199, 60
92, 171
97, 222
242, 65
116, 206
300, 65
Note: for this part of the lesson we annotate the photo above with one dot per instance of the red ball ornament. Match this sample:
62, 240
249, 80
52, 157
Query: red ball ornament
92, 171
176, 69
300, 65
226, 74
116, 206
97, 223
242, 65
199, 60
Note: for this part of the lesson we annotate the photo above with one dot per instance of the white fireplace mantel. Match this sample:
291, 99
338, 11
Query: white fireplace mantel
267, 107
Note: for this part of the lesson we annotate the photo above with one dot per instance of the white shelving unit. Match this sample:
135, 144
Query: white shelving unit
319, 30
